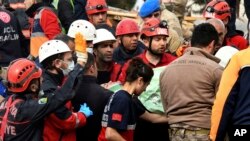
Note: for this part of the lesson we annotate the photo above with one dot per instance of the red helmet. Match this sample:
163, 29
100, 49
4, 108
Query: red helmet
127, 26
20, 73
96, 6
217, 9
154, 26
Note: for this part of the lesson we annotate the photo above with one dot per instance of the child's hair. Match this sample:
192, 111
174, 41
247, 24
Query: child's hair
137, 68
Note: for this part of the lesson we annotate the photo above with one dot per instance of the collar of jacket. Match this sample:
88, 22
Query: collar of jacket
124, 56
199, 52
56, 78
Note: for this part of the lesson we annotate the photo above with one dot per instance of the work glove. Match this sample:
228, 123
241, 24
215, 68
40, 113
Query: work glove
85, 110
80, 48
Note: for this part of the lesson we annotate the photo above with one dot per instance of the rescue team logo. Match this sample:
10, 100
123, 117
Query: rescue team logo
117, 117
5, 17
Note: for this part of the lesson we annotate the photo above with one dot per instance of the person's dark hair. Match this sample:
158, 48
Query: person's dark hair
90, 62
47, 63
63, 37
204, 34
28, 90
106, 26
137, 68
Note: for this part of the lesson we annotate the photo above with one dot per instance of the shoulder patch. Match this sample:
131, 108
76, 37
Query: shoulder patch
5, 17
43, 100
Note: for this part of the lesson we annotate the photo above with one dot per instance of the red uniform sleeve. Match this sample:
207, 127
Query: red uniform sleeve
50, 24
75, 120
237, 41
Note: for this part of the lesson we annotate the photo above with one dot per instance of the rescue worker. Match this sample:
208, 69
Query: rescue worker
154, 35
87, 29
22, 114
103, 51
177, 7
97, 12
18, 8
65, 10
188, 104
79, 10
221, 10
229, 111
57, 61
127, 33
151, 8
45, 27
96, 97
11, 39
221, 29
123, 109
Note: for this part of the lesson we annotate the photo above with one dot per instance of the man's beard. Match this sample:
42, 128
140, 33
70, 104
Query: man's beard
154, 52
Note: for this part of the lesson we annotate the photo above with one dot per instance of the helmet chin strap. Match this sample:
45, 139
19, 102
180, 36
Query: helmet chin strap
150, 48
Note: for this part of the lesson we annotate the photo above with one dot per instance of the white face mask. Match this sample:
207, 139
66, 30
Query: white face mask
90, 50
71, 66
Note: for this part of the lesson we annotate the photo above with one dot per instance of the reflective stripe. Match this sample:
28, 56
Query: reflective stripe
129, 127
77, 120
26, 33
245, 66
37, 34
38, 17
55, 4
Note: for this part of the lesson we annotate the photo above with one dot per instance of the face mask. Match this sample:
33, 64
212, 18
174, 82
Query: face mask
90, 50
71, 66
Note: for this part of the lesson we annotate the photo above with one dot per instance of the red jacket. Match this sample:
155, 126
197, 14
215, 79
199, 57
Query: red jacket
165, 60
60, 126
56, 129
237, 41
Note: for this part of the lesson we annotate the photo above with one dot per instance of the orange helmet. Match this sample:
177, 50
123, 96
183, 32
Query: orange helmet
154, 26
127, 26
217, 9
20, 73
96, 6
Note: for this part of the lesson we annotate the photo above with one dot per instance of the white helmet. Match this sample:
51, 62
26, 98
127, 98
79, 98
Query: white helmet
52, 47
86, 28
103, 35
225, 53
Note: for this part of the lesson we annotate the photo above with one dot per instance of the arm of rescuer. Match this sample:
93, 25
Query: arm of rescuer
45, 106
42, 107
50, 24
64, 118
111, 134
144, 114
